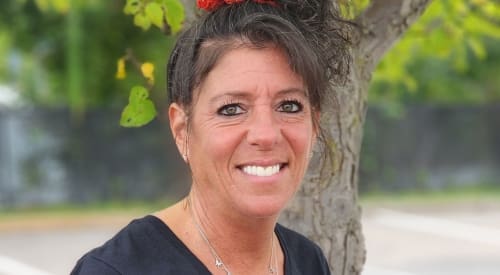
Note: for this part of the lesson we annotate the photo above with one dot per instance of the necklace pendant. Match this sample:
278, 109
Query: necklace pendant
272, 270
218, 263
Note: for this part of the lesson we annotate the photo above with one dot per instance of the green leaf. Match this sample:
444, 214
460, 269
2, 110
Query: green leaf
477, 47
140, 109
142, 21
132, 7
138, 94
479, 25
174, 11
154, 13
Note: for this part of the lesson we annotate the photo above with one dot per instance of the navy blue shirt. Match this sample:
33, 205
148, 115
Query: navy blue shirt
148, 246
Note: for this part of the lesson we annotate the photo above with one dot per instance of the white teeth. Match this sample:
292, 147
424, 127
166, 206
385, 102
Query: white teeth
261, 171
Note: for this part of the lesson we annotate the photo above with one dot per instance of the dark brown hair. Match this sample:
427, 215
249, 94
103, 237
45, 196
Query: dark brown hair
316, 50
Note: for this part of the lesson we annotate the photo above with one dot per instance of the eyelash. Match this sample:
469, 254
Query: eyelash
223, 109
299, 105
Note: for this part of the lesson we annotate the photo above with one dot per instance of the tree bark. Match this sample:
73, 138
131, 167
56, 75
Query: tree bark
326, 207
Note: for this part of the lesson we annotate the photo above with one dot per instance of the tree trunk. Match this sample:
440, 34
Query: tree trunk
325, 208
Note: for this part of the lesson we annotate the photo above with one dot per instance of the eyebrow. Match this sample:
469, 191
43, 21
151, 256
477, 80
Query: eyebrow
243, 94
292, 91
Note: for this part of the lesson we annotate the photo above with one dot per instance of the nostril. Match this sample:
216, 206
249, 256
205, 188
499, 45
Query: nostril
263, 137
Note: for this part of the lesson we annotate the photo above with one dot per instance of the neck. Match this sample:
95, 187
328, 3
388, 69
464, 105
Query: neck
240, 242
242, 232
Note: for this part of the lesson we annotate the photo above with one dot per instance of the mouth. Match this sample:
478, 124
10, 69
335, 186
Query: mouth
262, 171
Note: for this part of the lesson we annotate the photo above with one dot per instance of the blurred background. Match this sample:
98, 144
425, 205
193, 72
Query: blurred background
70, 175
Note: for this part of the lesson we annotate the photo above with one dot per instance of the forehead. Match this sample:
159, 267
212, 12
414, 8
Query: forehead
249, 70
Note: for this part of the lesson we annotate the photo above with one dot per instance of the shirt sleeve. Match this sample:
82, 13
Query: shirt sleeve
325, 268
90, 265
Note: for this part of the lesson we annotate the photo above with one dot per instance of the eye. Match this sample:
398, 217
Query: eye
230, 110
290, 106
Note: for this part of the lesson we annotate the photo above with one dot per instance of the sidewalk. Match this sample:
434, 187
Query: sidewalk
454, 240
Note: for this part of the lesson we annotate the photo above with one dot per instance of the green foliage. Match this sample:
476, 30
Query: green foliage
140, 109
167, 15
450, 55
5, 44
439, 54
35, 43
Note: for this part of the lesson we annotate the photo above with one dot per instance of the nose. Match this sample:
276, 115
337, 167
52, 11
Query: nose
264, 132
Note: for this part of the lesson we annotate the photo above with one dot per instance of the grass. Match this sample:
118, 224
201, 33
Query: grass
114, 213
119, 212
480, 194
92, 208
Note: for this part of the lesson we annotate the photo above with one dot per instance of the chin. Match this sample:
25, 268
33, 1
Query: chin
263, 207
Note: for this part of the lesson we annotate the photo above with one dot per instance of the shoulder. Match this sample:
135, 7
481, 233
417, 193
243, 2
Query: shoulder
89, 264
296, 242
303, 255
145, 246
122, 252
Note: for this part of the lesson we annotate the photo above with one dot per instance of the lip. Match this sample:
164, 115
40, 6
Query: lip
263, 162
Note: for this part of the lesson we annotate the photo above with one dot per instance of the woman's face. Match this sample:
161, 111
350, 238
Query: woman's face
250, 134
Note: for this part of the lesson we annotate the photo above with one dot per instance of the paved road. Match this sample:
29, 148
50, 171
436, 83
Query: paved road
50, 251
399, 242
433, 242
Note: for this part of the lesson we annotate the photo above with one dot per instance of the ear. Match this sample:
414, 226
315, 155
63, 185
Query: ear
179, 127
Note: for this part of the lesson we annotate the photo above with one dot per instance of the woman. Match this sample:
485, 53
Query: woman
245, 82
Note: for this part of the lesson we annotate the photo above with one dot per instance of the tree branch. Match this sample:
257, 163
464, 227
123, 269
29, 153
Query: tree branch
382, 24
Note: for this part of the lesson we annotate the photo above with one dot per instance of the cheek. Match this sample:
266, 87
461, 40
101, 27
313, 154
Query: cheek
216, 144
300, 139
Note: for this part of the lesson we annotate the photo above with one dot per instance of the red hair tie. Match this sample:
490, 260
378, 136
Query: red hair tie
210, 5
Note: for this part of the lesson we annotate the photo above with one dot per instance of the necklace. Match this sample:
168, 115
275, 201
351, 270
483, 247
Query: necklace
273, 260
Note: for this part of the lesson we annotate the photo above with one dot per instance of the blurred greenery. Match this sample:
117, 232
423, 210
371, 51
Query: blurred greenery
449, 56
64, 53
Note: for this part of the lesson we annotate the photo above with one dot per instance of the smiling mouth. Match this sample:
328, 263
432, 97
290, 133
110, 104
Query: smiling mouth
262, 171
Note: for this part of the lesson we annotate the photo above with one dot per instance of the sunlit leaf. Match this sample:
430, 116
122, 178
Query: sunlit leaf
175, 14
142, 21
154, 13
140, 109
491, 9
138, 94
61, 6
132, 7
476, 24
